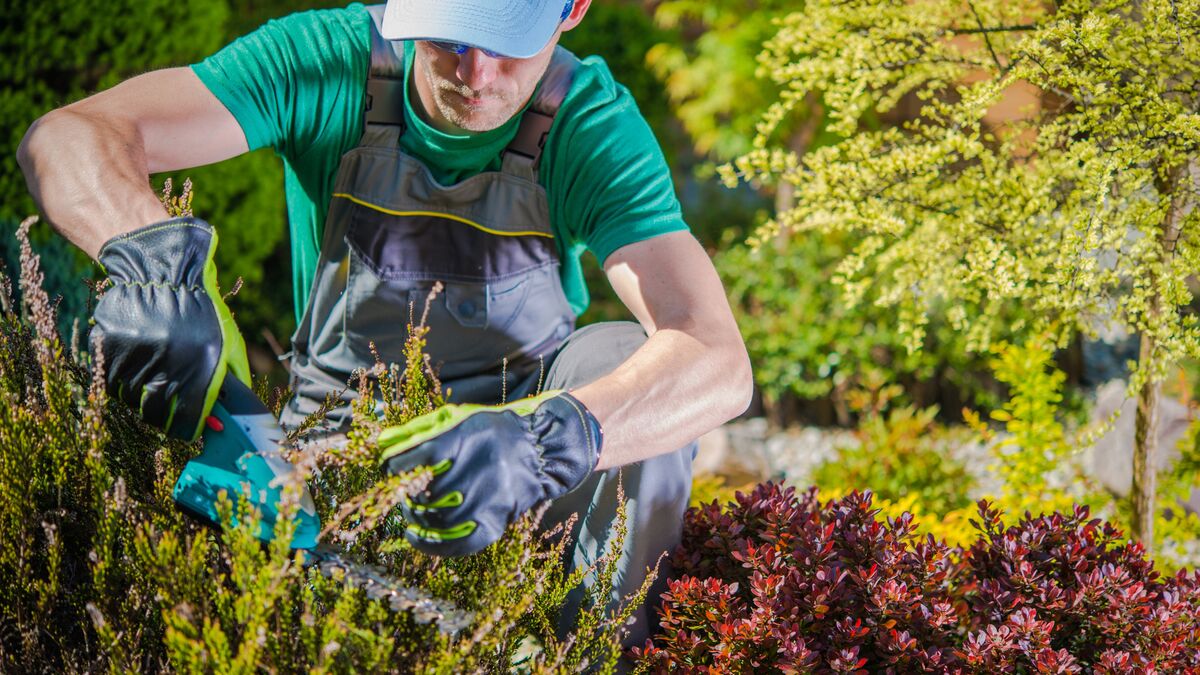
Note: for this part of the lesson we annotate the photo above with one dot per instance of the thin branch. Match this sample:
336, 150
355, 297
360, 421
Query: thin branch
950, 213
995, 29
986, 39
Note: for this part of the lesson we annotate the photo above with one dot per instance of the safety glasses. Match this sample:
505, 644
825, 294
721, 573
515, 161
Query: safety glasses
460, 48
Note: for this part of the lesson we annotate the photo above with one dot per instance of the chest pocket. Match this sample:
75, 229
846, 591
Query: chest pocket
501, 298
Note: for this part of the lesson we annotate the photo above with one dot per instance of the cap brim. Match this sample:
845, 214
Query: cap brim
515, 28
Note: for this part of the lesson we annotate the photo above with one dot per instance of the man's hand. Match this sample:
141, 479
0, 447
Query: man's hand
165, 332
490, 465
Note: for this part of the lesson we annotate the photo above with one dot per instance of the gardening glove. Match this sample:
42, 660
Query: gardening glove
490, 465
165, 332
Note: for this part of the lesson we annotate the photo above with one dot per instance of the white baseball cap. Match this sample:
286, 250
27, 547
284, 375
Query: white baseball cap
514, 28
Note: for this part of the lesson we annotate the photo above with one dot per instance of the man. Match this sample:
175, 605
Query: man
431, 141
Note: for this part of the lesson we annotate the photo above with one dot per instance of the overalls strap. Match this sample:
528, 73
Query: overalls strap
383, 102
523, 155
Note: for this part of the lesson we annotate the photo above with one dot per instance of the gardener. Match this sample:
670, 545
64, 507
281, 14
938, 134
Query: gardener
487, 159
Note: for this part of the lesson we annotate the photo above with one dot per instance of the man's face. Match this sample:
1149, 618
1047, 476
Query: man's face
473, 91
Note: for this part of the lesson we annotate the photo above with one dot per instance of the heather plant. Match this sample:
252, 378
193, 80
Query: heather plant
100, 571
1080, 206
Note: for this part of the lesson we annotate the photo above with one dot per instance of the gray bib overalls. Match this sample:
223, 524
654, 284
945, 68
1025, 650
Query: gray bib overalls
392, 232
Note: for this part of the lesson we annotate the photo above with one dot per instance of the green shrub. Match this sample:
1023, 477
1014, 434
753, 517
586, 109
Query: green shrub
1035, 459
810, 340
99, 571
57, 52
902, 455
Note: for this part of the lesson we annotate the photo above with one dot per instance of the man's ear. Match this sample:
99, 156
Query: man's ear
576, 15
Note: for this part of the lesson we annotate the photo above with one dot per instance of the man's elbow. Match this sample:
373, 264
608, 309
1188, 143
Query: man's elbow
26, 149
55, 129
738, 378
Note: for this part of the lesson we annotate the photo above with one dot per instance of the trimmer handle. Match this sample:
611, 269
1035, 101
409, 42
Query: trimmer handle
238, 399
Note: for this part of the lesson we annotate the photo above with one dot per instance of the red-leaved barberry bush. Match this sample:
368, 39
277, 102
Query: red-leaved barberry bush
778, 581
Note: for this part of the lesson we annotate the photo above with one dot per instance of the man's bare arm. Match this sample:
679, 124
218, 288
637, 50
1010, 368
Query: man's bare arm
88, 164
692, 375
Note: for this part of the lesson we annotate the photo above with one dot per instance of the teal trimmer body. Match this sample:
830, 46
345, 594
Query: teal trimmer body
243, 456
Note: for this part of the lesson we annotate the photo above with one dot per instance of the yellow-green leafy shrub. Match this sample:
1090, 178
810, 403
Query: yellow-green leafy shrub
1080, 206
1037, 459
902, 455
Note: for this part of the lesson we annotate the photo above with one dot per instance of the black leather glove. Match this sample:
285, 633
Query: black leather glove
167, 336
490, 465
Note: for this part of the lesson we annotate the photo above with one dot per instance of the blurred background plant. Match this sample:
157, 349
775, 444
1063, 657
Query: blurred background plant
691, 67
1048, 160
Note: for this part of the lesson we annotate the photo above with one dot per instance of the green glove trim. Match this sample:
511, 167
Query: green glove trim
441, 467
171, 415
233, 346
447, 501
431, 534
396, 440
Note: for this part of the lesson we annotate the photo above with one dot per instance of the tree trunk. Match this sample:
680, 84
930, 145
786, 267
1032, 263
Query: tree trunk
1145, 446
1145, 441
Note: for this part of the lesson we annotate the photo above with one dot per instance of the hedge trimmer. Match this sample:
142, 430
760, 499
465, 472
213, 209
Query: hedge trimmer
242, 456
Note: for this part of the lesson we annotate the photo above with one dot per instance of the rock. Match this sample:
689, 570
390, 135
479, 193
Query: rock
796, 453
746, 452
734, 451
713, 452
1110, 460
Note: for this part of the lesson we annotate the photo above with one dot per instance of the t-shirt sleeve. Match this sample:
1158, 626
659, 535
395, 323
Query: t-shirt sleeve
282, 81
610, 183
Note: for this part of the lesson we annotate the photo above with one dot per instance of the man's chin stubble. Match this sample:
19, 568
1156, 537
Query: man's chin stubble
464, 120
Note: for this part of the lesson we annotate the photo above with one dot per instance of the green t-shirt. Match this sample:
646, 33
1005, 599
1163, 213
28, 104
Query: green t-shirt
296, 85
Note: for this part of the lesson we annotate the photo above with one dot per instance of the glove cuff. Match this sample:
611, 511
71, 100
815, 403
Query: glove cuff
171, 252
570, 441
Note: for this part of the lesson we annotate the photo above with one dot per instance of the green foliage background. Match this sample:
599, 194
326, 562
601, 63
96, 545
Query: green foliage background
696, 72
913, 227
56, 52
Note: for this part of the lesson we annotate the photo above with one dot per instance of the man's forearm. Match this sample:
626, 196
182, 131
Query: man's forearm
676, 387
89, 176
